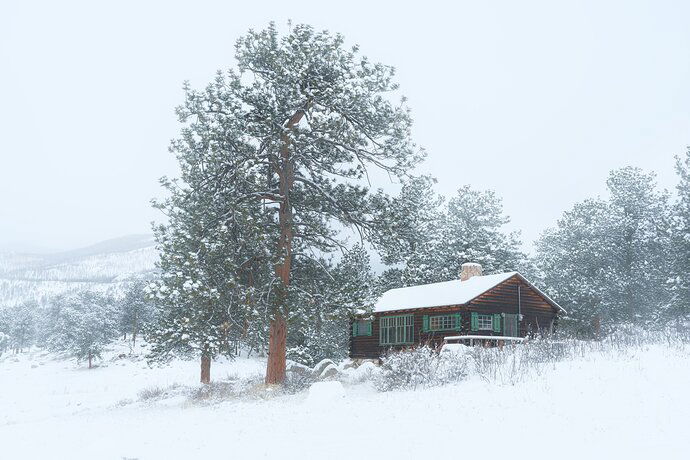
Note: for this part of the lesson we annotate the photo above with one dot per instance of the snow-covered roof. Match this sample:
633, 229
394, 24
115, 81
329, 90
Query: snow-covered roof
447, 293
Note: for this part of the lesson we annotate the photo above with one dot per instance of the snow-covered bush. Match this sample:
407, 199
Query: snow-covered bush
365, 372
419, 367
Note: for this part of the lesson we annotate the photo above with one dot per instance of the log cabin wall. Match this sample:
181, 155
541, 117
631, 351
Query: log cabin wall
538, 315
537, 312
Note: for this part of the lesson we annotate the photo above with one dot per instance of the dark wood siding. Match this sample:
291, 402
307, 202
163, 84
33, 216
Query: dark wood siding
368, 346
537, 312
538, 315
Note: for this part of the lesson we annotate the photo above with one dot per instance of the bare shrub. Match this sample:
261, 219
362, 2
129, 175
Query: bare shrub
510, 364
158, 392
296, 382
213, 392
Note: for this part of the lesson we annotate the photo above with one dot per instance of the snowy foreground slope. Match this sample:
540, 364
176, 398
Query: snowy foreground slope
631, 406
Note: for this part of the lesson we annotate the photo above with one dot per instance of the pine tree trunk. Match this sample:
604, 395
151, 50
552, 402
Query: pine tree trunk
275, 371
596, 326
90, 360
275, 366
205, 369
135, 329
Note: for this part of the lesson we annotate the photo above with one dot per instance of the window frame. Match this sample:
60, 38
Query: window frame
401, 323
485, 317
367, 331
452, 317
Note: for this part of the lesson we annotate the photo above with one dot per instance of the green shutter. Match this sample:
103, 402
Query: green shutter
496, 323
458, 322
474, 321
354, 329
369, 327
425, 323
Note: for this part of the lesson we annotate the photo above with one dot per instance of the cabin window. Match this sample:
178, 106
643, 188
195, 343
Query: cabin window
361, 327
396, 330
485, 322
441, 323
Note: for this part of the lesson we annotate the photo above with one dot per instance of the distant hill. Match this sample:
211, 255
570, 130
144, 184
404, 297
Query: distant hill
104, 266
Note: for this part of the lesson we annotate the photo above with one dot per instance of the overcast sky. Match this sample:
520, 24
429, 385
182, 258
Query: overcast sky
535, 100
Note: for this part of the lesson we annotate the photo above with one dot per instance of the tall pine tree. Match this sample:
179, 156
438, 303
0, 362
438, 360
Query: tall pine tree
287, 141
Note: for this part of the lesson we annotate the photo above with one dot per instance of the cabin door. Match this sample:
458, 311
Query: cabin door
510, 327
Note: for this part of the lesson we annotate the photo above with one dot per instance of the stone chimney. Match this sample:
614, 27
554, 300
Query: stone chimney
470, 269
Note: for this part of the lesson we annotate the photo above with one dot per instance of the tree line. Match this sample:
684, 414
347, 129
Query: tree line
80, 324
623, 258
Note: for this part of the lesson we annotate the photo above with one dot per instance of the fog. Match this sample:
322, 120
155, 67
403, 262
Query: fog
534, 100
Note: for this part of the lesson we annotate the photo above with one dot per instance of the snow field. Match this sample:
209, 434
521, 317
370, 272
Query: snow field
630, 406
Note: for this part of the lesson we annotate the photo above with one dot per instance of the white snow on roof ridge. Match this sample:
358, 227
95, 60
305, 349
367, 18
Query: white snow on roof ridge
441, 294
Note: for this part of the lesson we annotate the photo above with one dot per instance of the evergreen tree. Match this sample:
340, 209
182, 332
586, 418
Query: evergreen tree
573, 261
20, 325
605, 261
214, 247
408, 220
135, 310
679, 307
473, 231
286, 141
4, 340
429, 241
410, 233
84, 325
638, 270
201, 293
336, 294
4, 330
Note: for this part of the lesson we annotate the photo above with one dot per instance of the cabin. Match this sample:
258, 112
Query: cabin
476, 309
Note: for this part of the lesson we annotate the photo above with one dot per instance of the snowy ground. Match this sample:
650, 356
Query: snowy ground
595, 407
